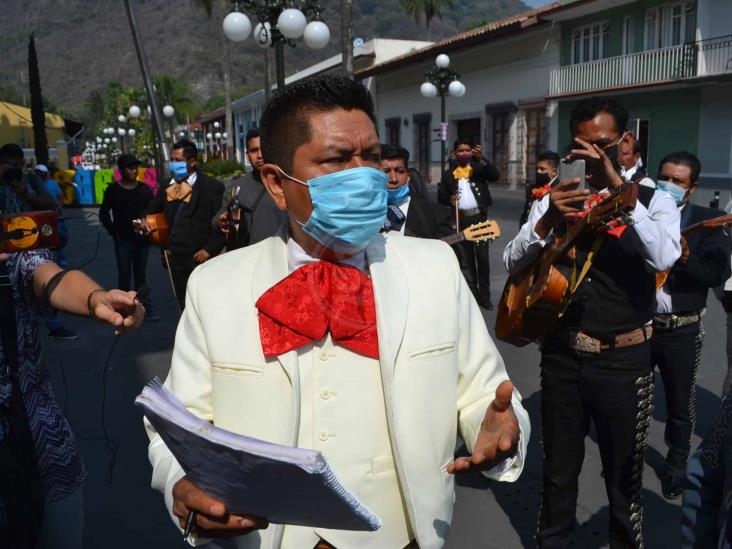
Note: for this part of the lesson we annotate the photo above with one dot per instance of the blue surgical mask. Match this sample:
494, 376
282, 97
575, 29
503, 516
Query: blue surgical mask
677, 193
397, 196
349, 208
179, 170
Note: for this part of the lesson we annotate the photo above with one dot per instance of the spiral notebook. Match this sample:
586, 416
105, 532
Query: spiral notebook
282, 484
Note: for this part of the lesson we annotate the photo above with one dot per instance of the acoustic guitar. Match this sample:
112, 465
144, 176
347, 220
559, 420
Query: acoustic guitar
29, 231
534, 299
713, 223
478, 232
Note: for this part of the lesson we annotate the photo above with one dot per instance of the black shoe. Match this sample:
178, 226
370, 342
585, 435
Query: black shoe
672, 486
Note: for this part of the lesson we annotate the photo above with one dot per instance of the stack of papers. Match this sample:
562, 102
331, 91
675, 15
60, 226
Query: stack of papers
250, 476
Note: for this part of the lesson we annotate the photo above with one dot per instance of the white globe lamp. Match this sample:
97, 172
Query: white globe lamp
122, 119
131, 132
456, 88
218, 135
291, 23
316, 35
442, 61
134, 111
237, 26
168, 111
263, 34
428, 89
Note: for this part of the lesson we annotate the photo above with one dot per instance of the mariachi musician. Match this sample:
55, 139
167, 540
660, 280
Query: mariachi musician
248, 214
464, 187
189, 202
681, 302
595, 358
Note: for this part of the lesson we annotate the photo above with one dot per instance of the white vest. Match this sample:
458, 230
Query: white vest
343, 415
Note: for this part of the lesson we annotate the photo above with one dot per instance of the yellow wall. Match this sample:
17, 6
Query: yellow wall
16, 126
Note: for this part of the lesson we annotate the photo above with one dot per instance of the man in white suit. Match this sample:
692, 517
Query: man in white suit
329, 336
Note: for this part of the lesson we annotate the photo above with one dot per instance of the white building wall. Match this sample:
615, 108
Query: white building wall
512, 70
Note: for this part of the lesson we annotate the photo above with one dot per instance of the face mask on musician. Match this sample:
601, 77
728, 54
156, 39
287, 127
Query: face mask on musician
349, 208
179, 170
542, 178
677, 192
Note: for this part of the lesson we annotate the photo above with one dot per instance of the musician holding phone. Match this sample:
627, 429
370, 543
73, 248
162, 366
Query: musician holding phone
464, 187
681, 303
595, 357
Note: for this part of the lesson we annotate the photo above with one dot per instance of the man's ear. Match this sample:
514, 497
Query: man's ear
272, 179
692, 188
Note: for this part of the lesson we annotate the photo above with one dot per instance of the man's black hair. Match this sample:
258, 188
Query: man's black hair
548, 156
462, 141
390, 152
188, 147
251, 134
285, 123
589, 108
11, 151
683, 158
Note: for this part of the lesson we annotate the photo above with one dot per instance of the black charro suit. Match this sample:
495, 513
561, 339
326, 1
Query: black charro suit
425, 219
474, 256
190, 227
677, 350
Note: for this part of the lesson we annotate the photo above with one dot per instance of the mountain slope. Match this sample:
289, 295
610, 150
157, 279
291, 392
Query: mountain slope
84, 43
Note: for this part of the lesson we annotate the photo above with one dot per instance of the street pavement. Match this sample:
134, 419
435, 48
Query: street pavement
122, 511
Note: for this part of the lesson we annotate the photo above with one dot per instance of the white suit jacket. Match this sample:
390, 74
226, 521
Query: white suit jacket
439, 369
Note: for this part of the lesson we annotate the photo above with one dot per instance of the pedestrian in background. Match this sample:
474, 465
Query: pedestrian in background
126, 200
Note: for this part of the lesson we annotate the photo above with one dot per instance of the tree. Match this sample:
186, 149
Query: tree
429, 9
347, 37
207, 6
38, 113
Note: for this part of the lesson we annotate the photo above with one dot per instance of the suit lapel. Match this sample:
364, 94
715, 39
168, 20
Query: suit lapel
270, 269
391, 295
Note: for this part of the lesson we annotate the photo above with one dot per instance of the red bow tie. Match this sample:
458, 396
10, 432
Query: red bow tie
315, 299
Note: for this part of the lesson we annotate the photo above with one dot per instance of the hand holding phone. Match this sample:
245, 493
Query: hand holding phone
572, 178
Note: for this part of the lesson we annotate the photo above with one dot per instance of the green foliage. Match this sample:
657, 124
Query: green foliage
222, 168
427, 9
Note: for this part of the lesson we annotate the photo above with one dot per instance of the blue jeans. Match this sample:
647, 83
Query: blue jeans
131, 260
63, 522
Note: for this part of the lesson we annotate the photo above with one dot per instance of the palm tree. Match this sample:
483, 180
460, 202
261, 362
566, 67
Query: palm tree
429, 9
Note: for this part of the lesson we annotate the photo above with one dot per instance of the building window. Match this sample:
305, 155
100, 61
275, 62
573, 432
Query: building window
628, 35
500, 142
670, 25
393, 127
590, 43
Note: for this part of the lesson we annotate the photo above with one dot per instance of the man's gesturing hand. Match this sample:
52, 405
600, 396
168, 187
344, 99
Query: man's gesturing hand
213, 519
498, 437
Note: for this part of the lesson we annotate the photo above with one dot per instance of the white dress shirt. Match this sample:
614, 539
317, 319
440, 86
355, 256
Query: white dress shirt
664, 303
629, 173
466, 198
657, 226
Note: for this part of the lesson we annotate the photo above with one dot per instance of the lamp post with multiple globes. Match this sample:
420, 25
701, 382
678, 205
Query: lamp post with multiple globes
442, 81
279, 22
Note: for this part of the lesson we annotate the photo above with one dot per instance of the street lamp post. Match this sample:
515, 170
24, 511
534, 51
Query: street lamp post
280, 22
169, 112
442, 81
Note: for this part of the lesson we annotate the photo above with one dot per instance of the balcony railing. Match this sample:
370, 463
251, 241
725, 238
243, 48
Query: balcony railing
708, 57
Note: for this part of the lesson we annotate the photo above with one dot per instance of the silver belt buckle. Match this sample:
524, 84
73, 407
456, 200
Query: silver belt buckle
665, 322
587, 344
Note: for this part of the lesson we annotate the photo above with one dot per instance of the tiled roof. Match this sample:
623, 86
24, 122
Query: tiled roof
495, 29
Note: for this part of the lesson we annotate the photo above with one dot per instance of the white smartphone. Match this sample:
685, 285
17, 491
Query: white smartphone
573, 169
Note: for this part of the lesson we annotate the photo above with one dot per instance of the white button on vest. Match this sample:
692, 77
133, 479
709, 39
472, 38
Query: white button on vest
325, 394
323, 355
323, 435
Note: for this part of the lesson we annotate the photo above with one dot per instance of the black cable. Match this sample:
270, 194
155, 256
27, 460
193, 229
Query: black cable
99, 237
108, 441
